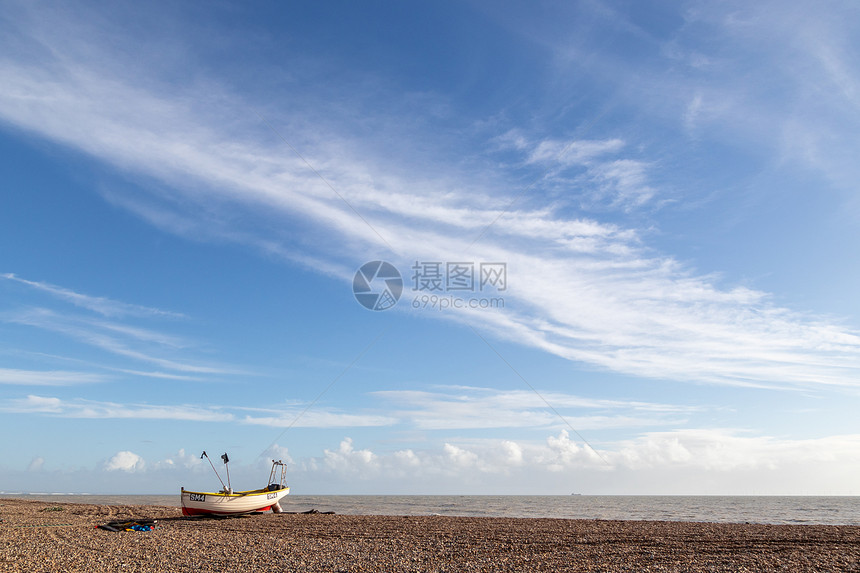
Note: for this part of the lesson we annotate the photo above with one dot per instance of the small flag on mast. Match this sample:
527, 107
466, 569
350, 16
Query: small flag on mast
225, 458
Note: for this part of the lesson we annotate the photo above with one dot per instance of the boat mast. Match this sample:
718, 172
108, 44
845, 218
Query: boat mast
229, 485
205, 455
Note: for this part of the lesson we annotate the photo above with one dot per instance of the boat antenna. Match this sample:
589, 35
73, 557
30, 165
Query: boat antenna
205, 455
226, 459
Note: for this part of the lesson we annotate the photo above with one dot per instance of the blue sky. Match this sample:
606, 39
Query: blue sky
188, 192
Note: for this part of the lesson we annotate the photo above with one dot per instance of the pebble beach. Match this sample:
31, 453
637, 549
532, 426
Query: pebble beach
50, 537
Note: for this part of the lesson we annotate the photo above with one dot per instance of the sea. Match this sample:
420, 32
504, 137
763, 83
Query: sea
811, 510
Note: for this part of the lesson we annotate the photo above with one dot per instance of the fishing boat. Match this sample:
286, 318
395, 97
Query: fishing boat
229, 502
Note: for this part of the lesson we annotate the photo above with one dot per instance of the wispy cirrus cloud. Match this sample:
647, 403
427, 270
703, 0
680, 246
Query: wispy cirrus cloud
101, 305
110, 326
447, 409
80, 408
274, 418
777, 80
49, 377
319, 418
781, 77
586, 290
473, 408
133, 343
601, 175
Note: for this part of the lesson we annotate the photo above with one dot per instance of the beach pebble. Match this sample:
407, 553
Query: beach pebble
32, 539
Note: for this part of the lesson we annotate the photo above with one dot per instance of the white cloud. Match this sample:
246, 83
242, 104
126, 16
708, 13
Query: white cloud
407, 458
693, 461
625, 181
125, 461
101, 305
607, 178
276, 452
806, 54
180, 460
48, 377
123, 340
474, 408
460, 457
36, 464
448, 408
319, 418
688, 461
79, 408
563, 452
347, 460
513, 453
576, 152
463, 459
728, 450
32, 404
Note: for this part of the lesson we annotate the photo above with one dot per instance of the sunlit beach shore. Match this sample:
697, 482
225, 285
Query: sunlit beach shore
46, 536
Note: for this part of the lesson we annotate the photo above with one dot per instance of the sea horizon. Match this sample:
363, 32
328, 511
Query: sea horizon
768, 509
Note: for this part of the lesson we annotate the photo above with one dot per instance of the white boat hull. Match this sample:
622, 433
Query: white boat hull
236, 503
